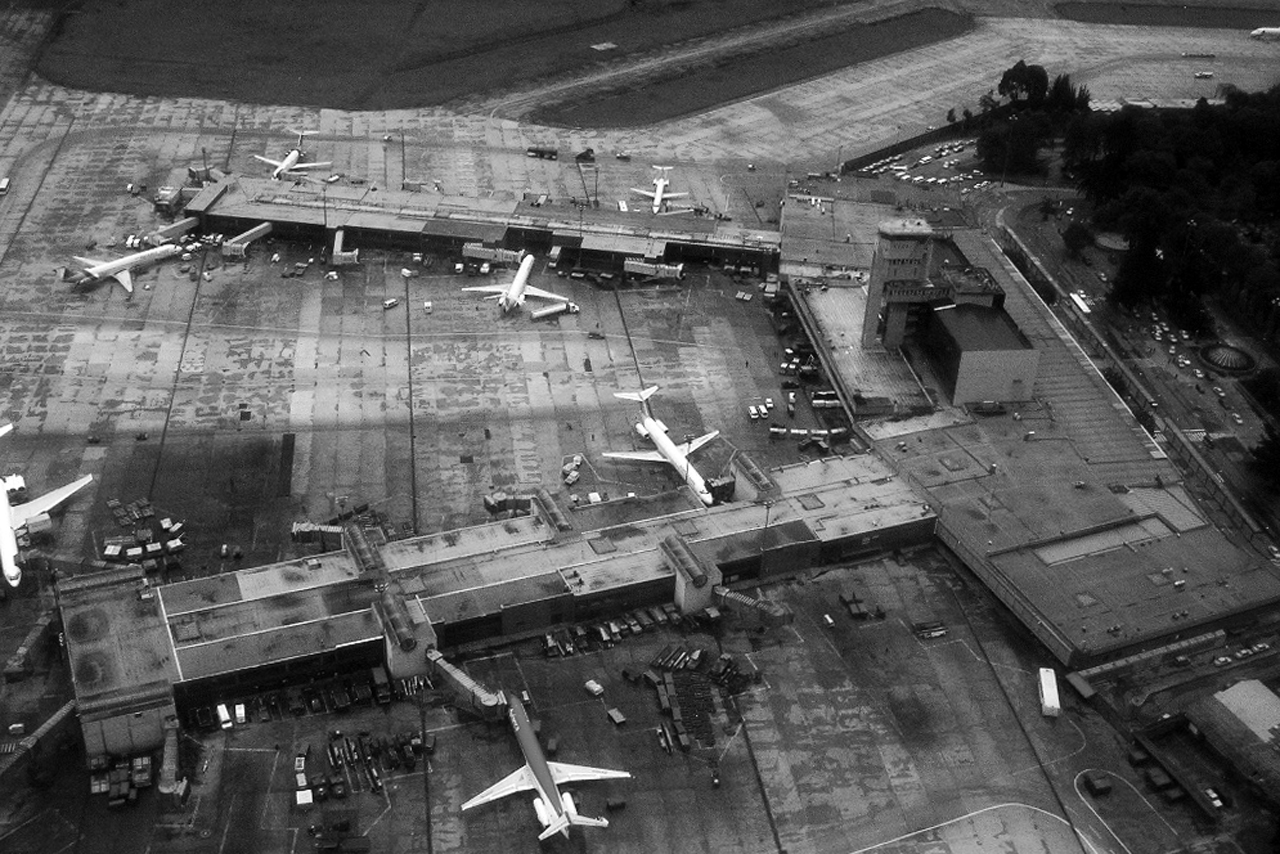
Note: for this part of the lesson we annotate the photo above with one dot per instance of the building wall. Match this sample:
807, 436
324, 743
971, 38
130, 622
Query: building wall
900, 257
126, 733
995, 375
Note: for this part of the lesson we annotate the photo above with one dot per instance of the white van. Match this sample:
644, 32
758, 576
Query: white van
4, 186
239, 714
224, 716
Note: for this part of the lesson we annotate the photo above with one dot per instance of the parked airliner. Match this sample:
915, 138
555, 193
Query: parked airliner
15, 516
511, 295
659, 193
667, 451
93, 270
555, 809
292, 162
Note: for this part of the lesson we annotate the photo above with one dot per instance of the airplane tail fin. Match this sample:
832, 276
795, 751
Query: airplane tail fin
125, 280
6, 429
637, 396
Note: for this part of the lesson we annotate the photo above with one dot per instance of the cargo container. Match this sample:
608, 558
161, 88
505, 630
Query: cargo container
1050, 706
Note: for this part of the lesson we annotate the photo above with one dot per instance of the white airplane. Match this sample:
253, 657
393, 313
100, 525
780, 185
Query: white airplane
1266, 34
95, 271
512, 295
292, 162
556, 810
14, 517
659, 193
667, 451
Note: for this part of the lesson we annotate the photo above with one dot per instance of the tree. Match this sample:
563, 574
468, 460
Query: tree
989, 101
1024, 85
968, 117
951, 116
1076, 237
1047, 208
1266, 456
1013, 147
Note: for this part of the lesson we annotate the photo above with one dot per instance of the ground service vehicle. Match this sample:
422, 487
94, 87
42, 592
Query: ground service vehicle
1050, 706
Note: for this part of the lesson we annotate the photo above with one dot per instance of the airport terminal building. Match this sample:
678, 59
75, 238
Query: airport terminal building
140, 654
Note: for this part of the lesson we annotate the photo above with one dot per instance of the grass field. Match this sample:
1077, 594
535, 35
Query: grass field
696, 89
360, 56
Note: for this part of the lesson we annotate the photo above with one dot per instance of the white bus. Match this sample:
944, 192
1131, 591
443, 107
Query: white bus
1081, 304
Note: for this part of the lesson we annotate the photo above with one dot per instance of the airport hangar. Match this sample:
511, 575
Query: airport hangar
138, 653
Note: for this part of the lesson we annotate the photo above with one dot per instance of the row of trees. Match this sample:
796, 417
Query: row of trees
1197, 195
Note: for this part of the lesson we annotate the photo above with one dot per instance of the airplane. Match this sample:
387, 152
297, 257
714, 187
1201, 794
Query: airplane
555, 809
96, 271
1266, 34
14, 517
293, 160
659, 193
512, 295
667, 450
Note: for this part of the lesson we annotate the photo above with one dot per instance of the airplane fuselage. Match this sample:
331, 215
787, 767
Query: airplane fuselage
660, 185
536, 760
8, 543
514, 295
290, 160
128, 262
1266, 34
677, 458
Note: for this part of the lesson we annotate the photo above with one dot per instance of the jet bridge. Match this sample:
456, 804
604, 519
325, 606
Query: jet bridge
490, 705
238, 246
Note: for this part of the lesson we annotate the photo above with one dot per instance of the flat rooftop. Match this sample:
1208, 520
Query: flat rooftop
1072, 507
117, 638
977, 328
275, 613
432, 214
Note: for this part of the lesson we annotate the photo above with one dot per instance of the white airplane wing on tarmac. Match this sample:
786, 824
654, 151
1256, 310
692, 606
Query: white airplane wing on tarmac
691, 446
298, 167
19, 514
635, 456
563, 773
531, 291
276, 163
648, 193
488, 289
520, 780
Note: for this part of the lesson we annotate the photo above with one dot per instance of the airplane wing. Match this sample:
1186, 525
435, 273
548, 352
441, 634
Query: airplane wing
125, 279
636, 456
690, 447
520, 780
531, 291
674, 195
87, 262
487, 289
301, 166
562, 773
642, 192
19, 514
275, 163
